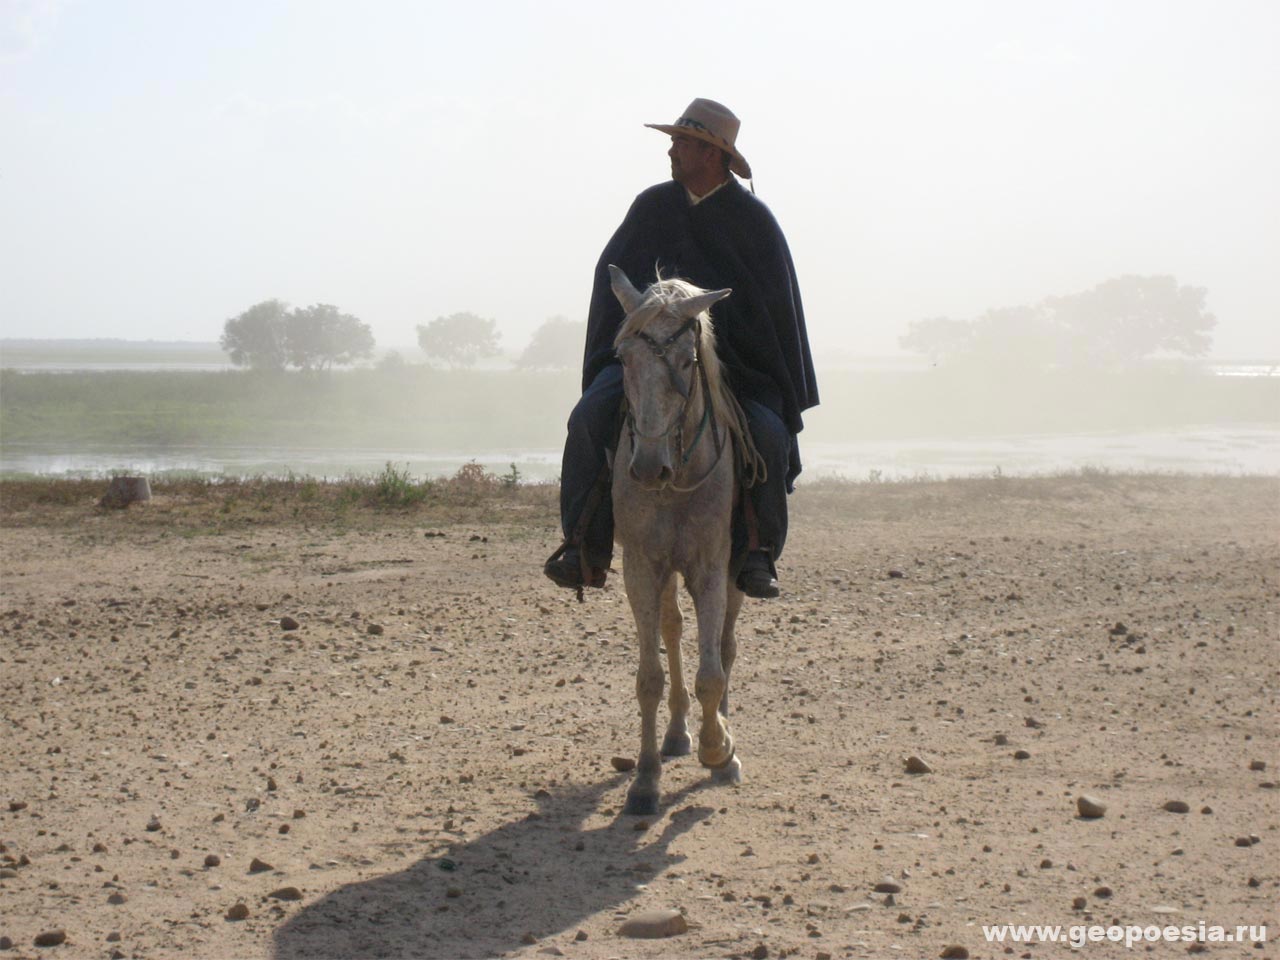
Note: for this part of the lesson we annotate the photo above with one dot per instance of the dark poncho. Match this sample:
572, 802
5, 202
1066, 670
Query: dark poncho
732, 240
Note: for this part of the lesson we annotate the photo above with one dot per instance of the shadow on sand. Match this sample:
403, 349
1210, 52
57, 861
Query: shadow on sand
542, 874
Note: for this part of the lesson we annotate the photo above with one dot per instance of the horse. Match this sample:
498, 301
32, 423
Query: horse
673, 490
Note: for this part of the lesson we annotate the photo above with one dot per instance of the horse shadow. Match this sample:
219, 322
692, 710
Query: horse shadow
525, 881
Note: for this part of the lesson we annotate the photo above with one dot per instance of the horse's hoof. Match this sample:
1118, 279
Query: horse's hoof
731, 772
677, 745
641, 805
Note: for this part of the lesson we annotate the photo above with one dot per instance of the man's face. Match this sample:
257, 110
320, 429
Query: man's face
691, 159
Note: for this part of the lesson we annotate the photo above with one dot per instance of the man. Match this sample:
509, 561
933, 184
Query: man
705, 227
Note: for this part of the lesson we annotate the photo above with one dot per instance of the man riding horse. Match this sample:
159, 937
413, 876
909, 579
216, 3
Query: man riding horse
705, 227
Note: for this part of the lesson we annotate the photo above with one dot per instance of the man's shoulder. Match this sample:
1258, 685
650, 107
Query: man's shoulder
659, 195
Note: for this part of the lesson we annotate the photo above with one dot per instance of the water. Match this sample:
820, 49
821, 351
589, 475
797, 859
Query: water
1222, 450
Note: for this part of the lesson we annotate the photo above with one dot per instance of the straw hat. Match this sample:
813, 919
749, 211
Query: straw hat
714, 123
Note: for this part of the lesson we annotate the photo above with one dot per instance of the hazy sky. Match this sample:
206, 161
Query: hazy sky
166, 164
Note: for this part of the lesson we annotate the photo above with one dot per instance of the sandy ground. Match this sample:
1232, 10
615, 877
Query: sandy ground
424, 765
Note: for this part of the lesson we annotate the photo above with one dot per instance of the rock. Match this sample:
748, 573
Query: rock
288, 623
760, 952
528, 938
114, 937
212, 860
51, 938
1207, 811
897, 575
238, 912
954, 953
887, 886
117, 898
1078, 903
1091, 808
1258, 765
16, 805
552, 951
374, 630
153, 824
580, 936
915, 765
1243, 842
654, 924
1021, 755
6, 943
259, 866
1177, 806
1102, 893
623, 764
286, 893
1001, 740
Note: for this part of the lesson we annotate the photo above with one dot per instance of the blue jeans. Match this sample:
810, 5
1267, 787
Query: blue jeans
593, 429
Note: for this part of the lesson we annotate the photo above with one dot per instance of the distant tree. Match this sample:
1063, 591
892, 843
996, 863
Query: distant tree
1127, 318
459, 339
256, 338
1114, 325
556, 345
319, 337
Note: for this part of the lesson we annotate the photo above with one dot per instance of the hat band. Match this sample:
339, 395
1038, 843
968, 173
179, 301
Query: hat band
688, 122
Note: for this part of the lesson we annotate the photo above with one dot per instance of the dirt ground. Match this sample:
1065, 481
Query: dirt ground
423, 768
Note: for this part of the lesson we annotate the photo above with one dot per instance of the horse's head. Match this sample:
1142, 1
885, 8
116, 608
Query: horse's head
664, 337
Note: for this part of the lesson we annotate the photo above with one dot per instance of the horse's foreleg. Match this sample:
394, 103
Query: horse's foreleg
715, 743
729, 644
643, 590
677, 742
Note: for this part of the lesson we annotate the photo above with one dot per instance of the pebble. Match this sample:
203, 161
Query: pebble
1258, 765
1177, 806
1243, 842
1021, 755
580, 936
1078, 903
238, 912
153, 824
1102, 893
16, 805
916, 765
374, 630
654, 924
51, 938
286, 893
760, 952
288, 623
1089, 807
623, 764
528, 938
887, 886
259, 866
117, 898
114, 936
6, 943
1001, 740
212, 860
954, 952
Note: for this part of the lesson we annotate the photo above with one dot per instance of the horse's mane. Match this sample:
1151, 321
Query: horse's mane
663, 297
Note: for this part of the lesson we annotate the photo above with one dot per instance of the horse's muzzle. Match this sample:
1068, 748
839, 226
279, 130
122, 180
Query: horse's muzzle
651, 469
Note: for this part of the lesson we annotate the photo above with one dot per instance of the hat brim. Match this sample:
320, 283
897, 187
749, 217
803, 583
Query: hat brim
738, 163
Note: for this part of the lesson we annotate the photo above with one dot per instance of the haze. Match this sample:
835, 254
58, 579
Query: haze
166, 165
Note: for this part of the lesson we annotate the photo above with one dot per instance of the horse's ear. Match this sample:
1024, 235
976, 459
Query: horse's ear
623, 289
703, 301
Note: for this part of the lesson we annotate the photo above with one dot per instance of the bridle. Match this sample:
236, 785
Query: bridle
659, 349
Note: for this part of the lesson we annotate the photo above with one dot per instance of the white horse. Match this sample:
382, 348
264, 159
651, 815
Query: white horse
673, 497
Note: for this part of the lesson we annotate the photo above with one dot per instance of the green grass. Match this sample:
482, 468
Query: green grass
213, 505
